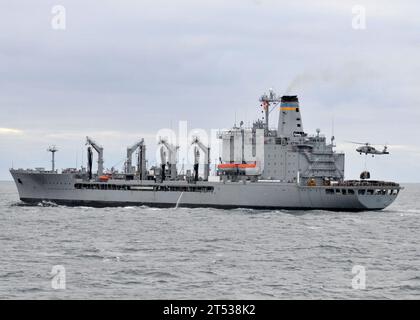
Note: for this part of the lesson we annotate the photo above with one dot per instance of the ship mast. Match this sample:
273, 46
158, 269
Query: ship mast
266, 100
53, 150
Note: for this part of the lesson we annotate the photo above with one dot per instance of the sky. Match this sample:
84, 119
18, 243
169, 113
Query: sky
123, 70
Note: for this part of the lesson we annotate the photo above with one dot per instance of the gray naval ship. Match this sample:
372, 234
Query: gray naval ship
259, 167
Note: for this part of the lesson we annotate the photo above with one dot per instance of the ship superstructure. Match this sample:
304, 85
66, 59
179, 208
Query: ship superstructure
259, 167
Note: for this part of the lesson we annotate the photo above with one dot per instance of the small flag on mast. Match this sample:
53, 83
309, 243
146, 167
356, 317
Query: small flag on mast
265, 105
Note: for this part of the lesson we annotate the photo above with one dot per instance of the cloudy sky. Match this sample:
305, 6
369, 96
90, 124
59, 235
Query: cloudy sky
122, 70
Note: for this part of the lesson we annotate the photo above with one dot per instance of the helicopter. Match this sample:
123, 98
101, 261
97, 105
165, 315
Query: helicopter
367, 148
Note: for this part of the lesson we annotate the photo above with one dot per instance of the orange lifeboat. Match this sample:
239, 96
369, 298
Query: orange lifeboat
236, 165
226, 166
103, 178
247, 165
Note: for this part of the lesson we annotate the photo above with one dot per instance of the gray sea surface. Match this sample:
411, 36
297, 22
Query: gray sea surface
149, 253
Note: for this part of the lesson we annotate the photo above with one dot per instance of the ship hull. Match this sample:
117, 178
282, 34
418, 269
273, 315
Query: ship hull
65, 189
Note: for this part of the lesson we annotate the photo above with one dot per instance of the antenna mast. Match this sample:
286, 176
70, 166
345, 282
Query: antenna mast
53, 150
266, 100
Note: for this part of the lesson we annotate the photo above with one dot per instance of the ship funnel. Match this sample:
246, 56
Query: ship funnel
290, 121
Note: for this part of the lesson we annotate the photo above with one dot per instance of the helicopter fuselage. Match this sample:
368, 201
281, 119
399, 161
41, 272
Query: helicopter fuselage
371, 150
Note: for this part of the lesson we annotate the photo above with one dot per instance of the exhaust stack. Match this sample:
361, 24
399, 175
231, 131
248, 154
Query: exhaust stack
290, 121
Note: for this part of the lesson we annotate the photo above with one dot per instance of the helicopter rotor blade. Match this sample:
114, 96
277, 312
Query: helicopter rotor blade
361, 143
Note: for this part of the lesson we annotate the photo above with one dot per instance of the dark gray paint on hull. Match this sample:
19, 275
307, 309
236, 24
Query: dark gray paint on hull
103, 204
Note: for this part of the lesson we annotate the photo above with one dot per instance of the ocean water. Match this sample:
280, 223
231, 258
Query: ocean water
148, 253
